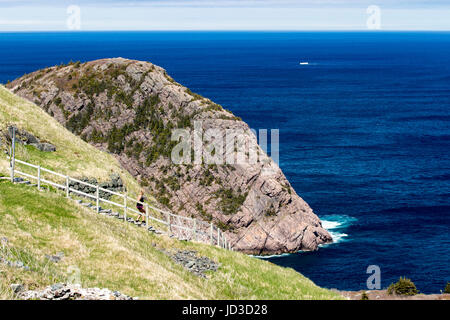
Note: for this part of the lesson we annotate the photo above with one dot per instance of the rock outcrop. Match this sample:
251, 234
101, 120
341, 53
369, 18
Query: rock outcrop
194, 263
61, 291
25, 138
114, 184
130, 108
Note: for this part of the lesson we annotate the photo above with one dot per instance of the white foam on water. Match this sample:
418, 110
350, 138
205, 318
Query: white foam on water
338, 236
335, 225
271, 256
329, 225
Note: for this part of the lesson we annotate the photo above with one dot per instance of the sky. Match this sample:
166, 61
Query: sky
277, 15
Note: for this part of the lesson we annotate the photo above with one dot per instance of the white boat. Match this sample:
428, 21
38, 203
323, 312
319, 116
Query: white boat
304, 63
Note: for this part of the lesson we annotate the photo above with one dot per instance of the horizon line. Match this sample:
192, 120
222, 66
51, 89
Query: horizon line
227, 30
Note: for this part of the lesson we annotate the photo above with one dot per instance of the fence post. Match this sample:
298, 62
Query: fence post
169, 224
67, 186
218, 237
13, 153
146, 215
125, 207
211, 233
97, 196
12, 172
194, 230
39, 178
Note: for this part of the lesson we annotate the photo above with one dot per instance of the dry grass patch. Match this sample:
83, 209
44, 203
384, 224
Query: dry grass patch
110, 253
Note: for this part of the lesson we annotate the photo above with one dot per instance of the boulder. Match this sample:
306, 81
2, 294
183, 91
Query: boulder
46, 147
17, 288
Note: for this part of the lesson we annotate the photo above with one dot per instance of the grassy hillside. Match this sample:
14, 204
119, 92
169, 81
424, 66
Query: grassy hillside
119, 256
107, 252
72, 157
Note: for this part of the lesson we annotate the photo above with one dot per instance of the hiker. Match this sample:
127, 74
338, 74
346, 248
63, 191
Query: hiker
140, 206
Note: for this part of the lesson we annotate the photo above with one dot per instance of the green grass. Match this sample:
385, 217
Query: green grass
73, 156
113, 254
108, 252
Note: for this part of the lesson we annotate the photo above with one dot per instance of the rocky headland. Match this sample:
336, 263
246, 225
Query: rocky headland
129, 108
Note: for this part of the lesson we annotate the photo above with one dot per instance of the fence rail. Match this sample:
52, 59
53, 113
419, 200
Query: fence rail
180, 226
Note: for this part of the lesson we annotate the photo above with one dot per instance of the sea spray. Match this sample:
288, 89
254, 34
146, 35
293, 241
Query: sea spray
335, 225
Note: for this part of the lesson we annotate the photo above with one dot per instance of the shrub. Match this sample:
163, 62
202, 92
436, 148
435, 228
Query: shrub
126, 99
96, 136
79, 121
447, 288
116, 138
224, 227
229, 201
364, 296
165, 201
91, 85
207, 178
271, 211
211, 106
195, 95
172, 183
404, 287
203, 212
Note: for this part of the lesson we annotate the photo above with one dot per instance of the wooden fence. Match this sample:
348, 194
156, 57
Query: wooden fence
182, 227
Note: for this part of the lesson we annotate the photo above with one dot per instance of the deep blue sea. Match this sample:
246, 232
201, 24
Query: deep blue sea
364, 129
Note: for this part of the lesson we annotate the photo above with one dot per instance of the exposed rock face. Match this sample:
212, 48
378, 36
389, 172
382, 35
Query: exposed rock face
129, 108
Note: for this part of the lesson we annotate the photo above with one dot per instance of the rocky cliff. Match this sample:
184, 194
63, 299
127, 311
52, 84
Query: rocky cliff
130, 108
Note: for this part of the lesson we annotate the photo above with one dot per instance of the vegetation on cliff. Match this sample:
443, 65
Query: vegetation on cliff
129, 108
403, 287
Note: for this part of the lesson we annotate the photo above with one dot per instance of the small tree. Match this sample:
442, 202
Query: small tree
404, 287
447, 288
364, 296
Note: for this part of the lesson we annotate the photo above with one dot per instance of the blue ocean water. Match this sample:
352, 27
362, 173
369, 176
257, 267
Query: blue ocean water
364, 129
